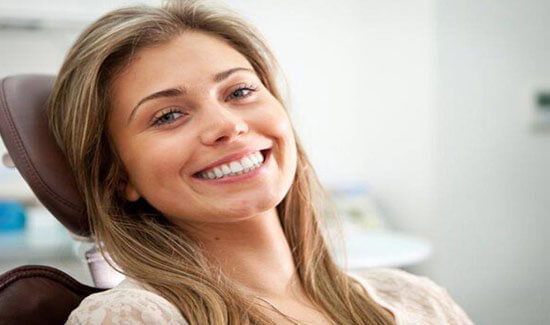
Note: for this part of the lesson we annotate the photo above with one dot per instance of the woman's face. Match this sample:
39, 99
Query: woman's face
195, 105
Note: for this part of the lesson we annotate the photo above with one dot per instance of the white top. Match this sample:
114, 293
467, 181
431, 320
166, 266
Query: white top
411, 298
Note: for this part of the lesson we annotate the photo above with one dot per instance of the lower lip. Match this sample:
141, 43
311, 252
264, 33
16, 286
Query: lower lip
239, 178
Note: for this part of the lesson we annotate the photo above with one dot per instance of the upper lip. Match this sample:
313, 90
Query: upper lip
233, 156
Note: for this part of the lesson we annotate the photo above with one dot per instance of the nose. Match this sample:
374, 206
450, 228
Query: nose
223, 125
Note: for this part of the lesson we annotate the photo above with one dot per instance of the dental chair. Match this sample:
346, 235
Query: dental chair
37, 294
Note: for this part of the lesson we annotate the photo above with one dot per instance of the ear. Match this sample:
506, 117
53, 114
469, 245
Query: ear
128, 190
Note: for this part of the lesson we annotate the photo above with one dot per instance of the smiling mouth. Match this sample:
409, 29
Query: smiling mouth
236, 167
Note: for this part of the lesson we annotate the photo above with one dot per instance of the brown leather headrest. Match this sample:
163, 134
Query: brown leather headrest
25, 133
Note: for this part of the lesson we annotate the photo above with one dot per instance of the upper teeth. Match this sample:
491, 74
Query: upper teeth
236, 167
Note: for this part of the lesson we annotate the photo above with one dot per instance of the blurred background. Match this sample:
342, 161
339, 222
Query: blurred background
427, 119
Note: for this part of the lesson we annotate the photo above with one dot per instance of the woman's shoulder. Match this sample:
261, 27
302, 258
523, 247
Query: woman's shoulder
130, 302
393, 280
414, 298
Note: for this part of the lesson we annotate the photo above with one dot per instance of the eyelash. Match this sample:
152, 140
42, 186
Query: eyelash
157, 121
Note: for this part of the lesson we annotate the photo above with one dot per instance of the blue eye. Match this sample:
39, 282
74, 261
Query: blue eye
167, 117
173, 114
242, 92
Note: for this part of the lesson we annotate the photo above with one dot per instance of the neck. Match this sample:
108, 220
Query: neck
254, 253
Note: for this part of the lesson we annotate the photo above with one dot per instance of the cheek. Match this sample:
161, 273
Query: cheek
156, 161
282, 128
278, 126
274, 121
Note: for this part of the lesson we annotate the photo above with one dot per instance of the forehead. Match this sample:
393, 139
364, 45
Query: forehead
189, 59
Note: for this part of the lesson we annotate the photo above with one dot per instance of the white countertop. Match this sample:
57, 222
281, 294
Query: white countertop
383, 248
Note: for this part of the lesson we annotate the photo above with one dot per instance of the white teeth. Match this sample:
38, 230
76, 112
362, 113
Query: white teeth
254, 159
237, 167
259, 156
247, 163
226, 170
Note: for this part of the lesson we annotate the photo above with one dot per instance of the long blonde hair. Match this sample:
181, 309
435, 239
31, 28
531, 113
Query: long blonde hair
137, 237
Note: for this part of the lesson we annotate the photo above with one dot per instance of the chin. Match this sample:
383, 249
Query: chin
252, 206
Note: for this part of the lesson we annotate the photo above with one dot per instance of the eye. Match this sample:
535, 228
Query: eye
166, 117
242, 92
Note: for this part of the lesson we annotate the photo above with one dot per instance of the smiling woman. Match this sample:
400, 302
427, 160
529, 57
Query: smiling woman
200, 108
197, 186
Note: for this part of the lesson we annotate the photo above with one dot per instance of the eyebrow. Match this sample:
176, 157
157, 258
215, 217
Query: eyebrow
181, 91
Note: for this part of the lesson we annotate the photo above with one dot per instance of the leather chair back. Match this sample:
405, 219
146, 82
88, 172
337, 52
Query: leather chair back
37, 157
39, 295
34, 294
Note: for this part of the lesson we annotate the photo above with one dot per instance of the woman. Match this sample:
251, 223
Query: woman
197, 186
